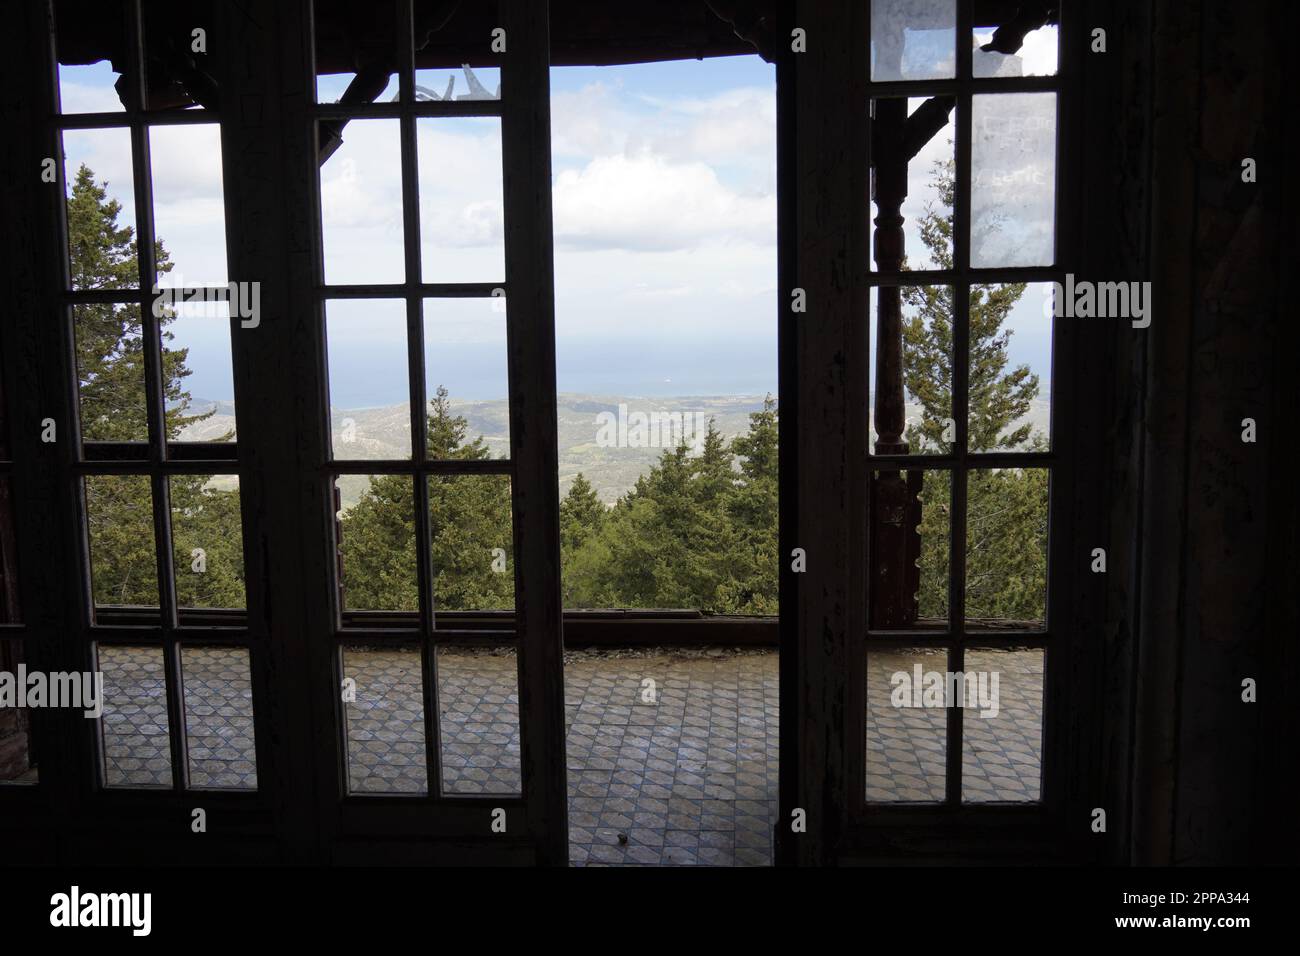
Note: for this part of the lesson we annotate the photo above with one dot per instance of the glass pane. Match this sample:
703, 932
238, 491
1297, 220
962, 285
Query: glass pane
361, 204
927, 317
1002, 734
333, 87
110, 372
123, 564
462, 83
478, 720
467, 378
370, 400
1010, 394
356, 52
472, 543
913, 40
915, 536
385, 720
907, 736
91, 45
17, 764
1013, 180
377, 543
207, 541
1036, 55
470, 70
200, 377
926, 204
137, 748
462, 219
1006, 548
219, 718
188, 205
101, 209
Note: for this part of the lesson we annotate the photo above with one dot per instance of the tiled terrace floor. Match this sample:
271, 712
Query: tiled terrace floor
686, 775
688, 779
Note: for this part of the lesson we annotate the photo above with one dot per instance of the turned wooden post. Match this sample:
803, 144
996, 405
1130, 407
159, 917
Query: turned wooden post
895, 508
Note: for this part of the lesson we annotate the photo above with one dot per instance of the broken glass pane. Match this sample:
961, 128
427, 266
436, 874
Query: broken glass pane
1036, 54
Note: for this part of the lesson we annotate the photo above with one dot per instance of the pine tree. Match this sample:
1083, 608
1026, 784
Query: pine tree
582, 516
696, 532
996, 397
110, 369
469, 523
581, 513
753, 508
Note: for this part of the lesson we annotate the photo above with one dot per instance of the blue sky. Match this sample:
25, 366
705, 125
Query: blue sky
665, 225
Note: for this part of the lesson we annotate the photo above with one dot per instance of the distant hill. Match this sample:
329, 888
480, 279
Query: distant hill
376, 433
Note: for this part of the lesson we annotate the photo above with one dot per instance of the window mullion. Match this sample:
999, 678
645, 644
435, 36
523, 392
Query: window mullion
960, 397
416, 383
155, 396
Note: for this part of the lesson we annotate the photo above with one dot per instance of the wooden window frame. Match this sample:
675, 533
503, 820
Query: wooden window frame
300, 810
157, 458
956, 638
422, 630
535, 628
825, 250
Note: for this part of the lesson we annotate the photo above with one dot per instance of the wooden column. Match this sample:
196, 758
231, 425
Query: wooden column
894, 508
268, 161
526, 154
823, 131
37, 355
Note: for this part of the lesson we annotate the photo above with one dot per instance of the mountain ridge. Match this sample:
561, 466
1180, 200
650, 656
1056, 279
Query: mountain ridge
384, 432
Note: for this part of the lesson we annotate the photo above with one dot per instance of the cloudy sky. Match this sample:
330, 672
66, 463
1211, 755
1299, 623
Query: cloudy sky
665, 232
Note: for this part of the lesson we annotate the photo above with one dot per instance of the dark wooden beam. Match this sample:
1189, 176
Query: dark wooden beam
825, 493
267, 163
37, 355
530, 314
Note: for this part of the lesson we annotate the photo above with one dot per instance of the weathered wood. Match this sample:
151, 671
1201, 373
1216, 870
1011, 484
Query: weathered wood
36, 349
1159, 648
826, 491
893, 507
1215, 525
530, 317
266, 144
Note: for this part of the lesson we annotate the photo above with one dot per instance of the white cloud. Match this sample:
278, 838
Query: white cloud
664, 208
648, 203
713, 291
1040, 51
733, 129
88, 89
587, 122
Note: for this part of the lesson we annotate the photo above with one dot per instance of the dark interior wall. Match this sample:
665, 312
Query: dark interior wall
1115, 205
1211, 520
